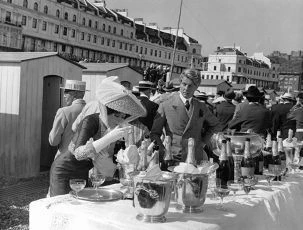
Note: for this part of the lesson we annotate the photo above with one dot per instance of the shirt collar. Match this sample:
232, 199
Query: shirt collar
183, 99
143, 95
78, 101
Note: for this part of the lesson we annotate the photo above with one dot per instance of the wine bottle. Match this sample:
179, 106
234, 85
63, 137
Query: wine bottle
259, 163
281, 152
268, 149
224, 169
168, 158
247, 163
191, 159
230, 159
276, 160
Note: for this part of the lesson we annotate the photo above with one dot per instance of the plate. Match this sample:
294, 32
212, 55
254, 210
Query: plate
89, 194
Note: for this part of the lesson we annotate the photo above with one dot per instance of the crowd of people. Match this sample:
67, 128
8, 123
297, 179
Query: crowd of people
88, 135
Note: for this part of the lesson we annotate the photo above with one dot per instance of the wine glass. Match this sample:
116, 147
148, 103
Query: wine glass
234, 187
221, 191
247, 187
77, 185
97, 179
269, 176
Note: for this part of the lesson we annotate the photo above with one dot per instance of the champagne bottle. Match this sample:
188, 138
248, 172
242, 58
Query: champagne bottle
191, 159
150, 148
247, 163
276, 160
224, 169
290, 135
230, 159
268, 149
168, 158
147, 139
154, 160
143, 156
278, 133
130, 138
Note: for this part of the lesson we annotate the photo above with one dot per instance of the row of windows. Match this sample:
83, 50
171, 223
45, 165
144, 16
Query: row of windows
109, 29
215, 77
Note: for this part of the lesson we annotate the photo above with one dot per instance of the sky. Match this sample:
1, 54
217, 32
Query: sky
254, 25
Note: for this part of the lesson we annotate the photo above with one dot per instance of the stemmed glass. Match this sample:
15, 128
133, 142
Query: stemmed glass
247, 187
77, 185
234, 187
97, 179
221, 191
269, 176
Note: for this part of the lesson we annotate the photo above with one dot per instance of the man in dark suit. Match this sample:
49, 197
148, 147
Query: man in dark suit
225, 110
145, 88
280, 111
253, 115
185, 117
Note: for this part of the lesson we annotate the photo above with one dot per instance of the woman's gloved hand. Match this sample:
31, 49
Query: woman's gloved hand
112, 136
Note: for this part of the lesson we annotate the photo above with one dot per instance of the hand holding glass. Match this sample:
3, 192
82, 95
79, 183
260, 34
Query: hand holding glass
77, 185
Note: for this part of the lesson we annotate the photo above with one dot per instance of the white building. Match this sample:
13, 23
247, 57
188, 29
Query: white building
87, 29
230, 64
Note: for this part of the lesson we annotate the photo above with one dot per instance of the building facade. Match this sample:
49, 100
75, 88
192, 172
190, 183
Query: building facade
230, 64
87, 29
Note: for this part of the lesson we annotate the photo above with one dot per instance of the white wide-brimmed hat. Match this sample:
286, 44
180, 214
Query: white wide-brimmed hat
74, 85
288, 96
115, 96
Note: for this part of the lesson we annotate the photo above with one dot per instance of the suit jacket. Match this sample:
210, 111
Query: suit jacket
252, 116
198, 123
151, 109
61, 133
280, 120
225, 112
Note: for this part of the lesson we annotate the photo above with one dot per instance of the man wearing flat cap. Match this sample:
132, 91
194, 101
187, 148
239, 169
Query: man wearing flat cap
61, 133
280, 111
253, 115
183, 117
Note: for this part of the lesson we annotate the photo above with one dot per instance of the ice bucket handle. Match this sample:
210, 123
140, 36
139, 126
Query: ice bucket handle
152, 193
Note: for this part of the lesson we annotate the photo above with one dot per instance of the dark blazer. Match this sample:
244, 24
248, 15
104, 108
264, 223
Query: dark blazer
198, 123
280, 120
252, 116
151, 109
225, 112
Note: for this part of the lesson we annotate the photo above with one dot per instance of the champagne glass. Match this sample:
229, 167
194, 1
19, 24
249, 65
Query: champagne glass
269, 176
221, 191
97, 179
234, 187
77, 185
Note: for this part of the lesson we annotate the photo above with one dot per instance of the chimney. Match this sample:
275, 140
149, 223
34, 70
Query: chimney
100, 3
138, 20
218, 48
123, 12
153, 25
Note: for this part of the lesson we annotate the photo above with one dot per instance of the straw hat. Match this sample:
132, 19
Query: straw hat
74, 85
146, 85
288, 96
115, 96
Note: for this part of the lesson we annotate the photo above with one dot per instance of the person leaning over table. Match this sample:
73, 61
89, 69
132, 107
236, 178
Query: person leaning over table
183, 117
61, 133
95, 134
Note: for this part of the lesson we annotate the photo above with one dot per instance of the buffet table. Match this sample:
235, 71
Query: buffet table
277, 207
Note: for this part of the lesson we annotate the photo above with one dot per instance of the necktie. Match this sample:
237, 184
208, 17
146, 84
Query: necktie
187, 105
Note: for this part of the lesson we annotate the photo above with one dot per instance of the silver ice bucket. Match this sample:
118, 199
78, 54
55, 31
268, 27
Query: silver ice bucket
191, 192
152, 198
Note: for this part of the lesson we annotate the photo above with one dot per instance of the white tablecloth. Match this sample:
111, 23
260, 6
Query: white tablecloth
278, 207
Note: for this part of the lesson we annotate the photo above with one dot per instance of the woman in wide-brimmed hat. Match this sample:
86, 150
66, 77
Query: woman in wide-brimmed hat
94, 135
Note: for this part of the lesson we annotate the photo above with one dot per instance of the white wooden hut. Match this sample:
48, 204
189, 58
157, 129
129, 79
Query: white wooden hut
96, 72
209, 86
29, 98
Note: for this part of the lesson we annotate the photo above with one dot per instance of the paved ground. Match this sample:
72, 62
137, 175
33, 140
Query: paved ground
15, 198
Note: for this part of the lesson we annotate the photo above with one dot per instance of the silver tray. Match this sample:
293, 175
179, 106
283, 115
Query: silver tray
106, 194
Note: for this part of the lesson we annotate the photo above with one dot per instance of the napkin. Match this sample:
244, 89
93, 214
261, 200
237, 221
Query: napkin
128, 156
